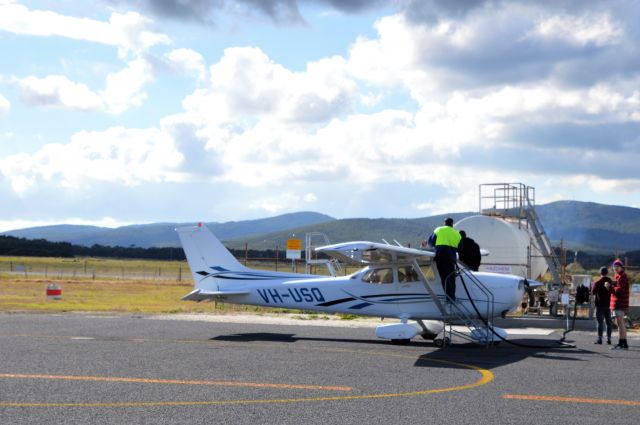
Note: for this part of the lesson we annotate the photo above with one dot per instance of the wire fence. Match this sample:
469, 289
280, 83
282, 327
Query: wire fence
112, 269
94, 270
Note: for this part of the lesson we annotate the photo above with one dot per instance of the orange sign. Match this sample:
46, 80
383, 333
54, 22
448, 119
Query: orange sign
294, 244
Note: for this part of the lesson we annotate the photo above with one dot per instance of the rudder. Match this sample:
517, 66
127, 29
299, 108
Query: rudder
205, 253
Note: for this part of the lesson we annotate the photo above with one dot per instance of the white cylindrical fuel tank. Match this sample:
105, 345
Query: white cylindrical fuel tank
508, 243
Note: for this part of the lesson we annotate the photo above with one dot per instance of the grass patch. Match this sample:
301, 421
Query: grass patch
113, 285
100, 296
348, 316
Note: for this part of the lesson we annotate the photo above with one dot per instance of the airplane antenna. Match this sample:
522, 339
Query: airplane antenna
385, 241
398, 243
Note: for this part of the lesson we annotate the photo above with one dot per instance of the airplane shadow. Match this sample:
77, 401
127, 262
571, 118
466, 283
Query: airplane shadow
291, 338
460, 352
501, 355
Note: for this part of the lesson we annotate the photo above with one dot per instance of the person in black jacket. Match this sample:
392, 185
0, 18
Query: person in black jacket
469, 252
602, 297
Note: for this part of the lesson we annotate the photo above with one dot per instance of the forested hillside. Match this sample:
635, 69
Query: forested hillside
580, 225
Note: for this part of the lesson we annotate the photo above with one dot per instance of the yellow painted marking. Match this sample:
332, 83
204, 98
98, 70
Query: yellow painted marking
485, 377
571, 399
175, 381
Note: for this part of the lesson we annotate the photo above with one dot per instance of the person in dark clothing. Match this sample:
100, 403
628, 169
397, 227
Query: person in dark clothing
620, 302
602, 299
469, 252
446, 240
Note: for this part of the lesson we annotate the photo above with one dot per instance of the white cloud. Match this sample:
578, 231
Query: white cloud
244, 118
5, 105
284, 201
387, 60
126, 31
516, 43
310, 198
457, 103
59, 91
124, 88
188, 61
599, 30
371, 99
125, 156
247, 84
602, 186
544, 101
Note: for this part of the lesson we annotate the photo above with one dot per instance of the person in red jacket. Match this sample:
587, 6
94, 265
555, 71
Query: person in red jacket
602, 301
619, 302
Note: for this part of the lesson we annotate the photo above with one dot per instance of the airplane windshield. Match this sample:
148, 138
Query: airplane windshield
378, 276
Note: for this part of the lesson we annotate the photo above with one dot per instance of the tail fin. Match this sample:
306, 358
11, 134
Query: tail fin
205, 253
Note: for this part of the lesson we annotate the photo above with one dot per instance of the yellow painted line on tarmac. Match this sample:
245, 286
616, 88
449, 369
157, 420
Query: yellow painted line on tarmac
571, 399
174, 381
485, 377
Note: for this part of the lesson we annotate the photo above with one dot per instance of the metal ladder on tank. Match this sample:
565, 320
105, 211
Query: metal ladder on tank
543, 242
456, 313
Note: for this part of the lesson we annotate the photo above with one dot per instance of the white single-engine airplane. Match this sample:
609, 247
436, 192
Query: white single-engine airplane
391, 284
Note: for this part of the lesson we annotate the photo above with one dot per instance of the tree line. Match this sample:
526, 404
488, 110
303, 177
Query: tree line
21, 247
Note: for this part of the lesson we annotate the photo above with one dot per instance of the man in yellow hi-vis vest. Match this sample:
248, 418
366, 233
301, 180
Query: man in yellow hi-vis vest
446, 240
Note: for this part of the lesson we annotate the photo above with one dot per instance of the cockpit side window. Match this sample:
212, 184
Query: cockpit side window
407, 274
378, 276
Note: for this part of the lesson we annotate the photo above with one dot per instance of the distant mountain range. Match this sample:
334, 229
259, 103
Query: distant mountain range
581, 225
590, 226
406, 231
163, 234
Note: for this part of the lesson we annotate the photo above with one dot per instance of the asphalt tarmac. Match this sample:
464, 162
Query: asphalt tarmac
88, 369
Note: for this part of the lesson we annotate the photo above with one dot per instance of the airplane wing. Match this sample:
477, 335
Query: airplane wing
360, 253
200, 295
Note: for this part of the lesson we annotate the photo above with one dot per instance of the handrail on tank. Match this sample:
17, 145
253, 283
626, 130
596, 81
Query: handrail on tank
506, 199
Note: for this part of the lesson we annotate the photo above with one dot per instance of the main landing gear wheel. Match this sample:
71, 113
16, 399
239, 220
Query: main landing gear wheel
400, 341
442, 342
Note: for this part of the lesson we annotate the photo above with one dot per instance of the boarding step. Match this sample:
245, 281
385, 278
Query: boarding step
468, 314
456, 313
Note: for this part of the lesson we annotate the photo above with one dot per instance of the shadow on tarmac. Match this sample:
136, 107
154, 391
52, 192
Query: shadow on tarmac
502, 355
464, 353
290, 338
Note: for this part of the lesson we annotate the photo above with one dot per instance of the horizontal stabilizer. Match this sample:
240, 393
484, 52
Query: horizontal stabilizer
534, 283
200, 295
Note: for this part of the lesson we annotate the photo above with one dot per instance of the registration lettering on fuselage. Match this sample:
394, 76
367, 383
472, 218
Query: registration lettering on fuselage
298, 295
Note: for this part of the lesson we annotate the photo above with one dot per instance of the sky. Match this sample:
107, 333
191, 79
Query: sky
116, 112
